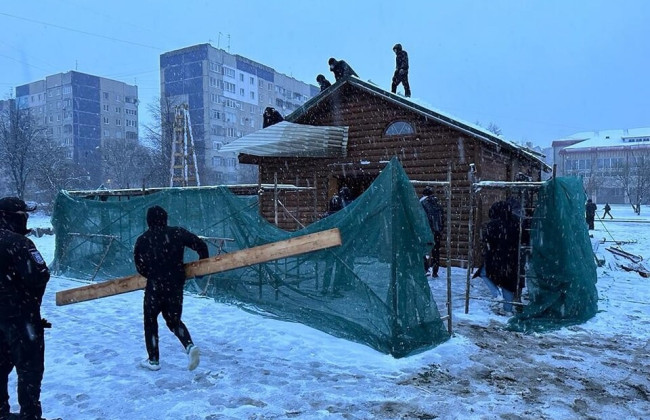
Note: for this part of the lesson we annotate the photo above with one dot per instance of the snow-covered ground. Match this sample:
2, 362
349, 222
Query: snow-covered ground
258, 368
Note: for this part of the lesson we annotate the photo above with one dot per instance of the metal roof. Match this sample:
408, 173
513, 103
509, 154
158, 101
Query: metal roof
289, 139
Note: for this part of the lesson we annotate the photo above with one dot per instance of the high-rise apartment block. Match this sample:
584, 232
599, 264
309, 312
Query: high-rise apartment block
82, 112
226, 95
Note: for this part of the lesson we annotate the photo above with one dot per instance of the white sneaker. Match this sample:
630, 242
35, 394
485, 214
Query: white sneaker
430, 272
193, 356
148, 364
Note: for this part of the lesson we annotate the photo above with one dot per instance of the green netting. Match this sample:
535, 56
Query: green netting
371, 290
562, 273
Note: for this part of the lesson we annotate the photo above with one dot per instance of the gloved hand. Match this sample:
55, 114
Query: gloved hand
45, 323
402, 72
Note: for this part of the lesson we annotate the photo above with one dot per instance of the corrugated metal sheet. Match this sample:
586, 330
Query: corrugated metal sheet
290, 139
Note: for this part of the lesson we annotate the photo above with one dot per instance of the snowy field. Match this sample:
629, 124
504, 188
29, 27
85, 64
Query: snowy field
258, 368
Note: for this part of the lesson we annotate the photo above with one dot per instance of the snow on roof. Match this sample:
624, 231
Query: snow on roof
426, 109
610, 138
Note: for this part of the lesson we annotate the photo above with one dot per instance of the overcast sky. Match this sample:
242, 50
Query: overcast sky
538, 69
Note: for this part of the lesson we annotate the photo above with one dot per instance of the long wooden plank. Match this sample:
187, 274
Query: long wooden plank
259, 254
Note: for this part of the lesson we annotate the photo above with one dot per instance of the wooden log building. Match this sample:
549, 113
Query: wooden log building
380, 125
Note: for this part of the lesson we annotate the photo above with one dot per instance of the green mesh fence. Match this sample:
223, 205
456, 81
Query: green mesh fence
562, 273
371, 290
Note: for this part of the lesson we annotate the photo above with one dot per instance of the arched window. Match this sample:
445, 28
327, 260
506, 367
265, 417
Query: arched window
399, 128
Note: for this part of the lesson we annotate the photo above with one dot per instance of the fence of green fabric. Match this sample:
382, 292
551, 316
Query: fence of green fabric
372, 289
561, 278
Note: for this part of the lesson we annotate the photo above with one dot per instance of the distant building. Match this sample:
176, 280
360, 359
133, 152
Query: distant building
226, 94
82, 112
611, 162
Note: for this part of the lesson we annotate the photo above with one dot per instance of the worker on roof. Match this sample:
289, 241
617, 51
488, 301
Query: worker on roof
323, 82
401, 70
341, 69
271, 116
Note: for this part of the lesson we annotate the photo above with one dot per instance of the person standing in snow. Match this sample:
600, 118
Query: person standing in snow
271, 116
341, 69
323, 82
607, 209
23, 278
401, 71
433, 211
500, 238
158, 256
590, 211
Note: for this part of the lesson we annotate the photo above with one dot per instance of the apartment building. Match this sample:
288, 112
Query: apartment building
83, 112
226, 95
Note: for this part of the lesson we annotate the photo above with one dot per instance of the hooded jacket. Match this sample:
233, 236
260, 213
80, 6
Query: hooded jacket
23, 272
433, 211
500, 246
158, 253
341, 69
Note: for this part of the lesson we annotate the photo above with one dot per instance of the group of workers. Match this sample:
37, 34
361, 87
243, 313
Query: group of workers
342, 70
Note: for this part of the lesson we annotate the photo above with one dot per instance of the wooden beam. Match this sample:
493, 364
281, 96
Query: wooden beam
245, 257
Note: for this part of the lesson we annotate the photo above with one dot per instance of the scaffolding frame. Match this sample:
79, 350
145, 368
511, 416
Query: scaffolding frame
521, 187
183, 171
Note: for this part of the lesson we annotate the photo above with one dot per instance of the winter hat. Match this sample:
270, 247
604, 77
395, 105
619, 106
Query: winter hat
14, 205
397, 47
331, 61
156, 216
427, 191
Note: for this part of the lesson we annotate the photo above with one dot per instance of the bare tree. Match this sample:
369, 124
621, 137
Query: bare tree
60, 173
21, 147
126, 163
494, 129
633, 175
160, 136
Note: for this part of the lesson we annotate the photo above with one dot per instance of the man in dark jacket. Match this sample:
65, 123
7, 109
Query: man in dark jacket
500, 253
271, 116
23, 278
590, 212
323, 82
346, 196
341, 69
434, 216
401, 70
158, 256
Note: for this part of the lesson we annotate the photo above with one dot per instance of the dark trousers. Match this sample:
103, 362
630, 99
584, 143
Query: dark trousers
22, 345
170, 304
590, 222
404, 80
433, 261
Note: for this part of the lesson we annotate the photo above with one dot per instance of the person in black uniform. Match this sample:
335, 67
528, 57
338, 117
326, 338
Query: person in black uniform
158, 256
590, 213
341, 69
271, 116
401, 70
500, 237
23, 278
323, 82
433, 211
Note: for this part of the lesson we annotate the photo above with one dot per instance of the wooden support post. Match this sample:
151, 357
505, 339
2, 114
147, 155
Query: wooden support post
245, 257
448, 246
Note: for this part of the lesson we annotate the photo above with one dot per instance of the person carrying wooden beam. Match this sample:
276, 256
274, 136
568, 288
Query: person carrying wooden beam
158, 256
